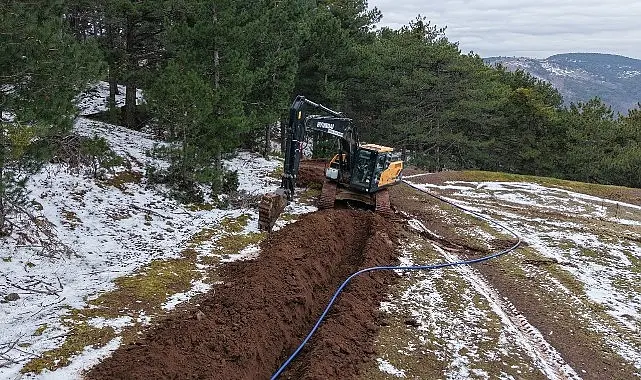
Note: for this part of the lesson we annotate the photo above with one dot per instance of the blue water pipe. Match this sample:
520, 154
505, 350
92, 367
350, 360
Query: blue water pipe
401, 268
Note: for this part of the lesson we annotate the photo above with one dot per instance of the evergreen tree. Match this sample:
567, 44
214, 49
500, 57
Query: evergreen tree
591, 130
42, 68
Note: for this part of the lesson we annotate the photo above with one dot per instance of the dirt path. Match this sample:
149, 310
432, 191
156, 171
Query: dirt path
531, 298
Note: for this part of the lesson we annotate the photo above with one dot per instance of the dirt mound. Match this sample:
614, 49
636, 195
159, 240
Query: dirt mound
311, 172
246, 327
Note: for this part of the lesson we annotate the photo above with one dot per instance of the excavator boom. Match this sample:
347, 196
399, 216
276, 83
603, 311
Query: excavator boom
357, 172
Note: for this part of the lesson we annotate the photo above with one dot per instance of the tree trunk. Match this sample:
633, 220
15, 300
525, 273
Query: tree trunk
218, 161
216, 58
268, 140
3, 181
113, 86
111, 101
283, 137
216, 70
3, 212
130, 93
130, 105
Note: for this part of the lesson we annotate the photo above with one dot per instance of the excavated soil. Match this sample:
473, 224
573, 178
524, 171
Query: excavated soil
246, 327
311, 172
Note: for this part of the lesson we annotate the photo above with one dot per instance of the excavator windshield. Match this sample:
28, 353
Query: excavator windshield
362, 171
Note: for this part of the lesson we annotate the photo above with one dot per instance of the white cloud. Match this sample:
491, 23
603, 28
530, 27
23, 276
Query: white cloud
526, 27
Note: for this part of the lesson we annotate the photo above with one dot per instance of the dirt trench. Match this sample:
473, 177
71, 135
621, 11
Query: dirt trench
247, 326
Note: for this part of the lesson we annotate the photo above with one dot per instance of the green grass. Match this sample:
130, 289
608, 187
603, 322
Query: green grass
121, 179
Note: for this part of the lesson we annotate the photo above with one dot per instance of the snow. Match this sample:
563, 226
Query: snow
116, 323
248, 253
80, 363
198, 287
7, 116
629, 74
94, 99
108, 232
387, 367
253, 172
556, 69
597, 242
464, 327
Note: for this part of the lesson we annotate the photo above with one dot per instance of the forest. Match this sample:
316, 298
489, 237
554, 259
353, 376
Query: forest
220, 74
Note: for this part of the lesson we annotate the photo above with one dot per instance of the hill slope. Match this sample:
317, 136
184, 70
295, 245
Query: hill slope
582, 76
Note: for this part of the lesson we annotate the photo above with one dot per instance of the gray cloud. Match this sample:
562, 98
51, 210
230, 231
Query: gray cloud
527, 27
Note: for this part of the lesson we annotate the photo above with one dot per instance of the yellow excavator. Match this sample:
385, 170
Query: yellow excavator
357, 172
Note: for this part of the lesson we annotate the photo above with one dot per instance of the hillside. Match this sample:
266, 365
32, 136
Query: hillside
141, 280
581, 76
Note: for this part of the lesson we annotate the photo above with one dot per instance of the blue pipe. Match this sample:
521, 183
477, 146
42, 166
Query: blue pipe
395, 268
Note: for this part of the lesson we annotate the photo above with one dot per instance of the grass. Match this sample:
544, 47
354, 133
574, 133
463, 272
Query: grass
277, 173
80, 335
233, 244
148, 289
121, 179
235, 225
618, 193
431, 353
200, 207
70, 219
142, 293
40, 330
309, 196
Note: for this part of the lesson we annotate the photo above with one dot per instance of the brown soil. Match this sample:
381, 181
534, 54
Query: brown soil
245, 328
311, 172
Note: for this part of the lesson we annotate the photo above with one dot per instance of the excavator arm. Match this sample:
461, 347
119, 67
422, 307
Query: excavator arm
299, 123
273, 204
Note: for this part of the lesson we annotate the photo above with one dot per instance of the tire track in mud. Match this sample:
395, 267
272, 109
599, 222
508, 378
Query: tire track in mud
246, 327
562, 327
532, 341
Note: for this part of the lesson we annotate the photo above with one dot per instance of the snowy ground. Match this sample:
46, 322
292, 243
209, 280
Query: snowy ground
111, 228
599, 258
464, 324
94, 100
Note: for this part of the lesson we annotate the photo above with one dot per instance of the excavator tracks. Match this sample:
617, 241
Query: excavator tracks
383, 203
328, 195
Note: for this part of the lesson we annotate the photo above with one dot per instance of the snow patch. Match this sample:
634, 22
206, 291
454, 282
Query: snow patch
198, 287
387, 367
95, 99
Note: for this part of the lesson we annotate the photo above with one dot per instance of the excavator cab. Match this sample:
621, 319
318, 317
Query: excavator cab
376, 167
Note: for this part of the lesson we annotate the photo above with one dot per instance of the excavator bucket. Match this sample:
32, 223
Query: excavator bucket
269, 209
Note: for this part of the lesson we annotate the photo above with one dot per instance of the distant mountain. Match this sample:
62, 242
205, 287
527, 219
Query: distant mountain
582, 76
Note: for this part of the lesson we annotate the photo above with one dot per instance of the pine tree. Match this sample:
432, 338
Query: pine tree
42, 68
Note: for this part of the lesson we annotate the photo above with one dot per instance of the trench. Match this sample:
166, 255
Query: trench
245, 327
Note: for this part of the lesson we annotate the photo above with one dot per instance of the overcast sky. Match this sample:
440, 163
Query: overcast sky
532, 28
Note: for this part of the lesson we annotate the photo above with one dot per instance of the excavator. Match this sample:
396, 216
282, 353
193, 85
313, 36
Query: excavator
357, 172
